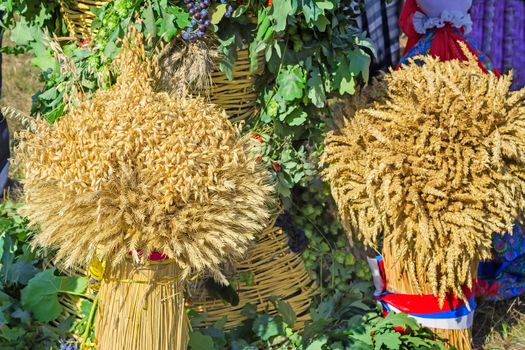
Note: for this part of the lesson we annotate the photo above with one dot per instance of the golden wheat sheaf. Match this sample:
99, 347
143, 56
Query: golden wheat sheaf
132, 169
433, 169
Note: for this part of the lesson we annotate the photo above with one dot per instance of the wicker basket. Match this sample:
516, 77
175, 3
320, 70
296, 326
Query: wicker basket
277, 272
78, 16
238, 96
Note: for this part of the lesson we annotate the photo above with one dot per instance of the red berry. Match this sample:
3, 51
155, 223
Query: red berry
84, 42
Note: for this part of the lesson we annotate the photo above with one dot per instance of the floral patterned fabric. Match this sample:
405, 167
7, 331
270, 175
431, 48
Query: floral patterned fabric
505, 275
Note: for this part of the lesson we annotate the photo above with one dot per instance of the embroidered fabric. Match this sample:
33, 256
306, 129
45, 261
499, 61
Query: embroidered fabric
422, 23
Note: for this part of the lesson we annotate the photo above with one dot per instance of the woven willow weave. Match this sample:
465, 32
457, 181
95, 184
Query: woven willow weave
277, 272
238, 96
78, 16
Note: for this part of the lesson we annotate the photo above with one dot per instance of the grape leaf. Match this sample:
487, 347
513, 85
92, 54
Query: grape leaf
391, 340
286, 311
149, 20
317, 344
359, 63
199, 341
21, 32
266, 326
281, 10
296, 118
316, 92
291, 83
40, 296
344, 79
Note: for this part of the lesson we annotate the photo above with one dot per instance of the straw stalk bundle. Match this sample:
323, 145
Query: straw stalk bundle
134, 174
193, 68
431, 170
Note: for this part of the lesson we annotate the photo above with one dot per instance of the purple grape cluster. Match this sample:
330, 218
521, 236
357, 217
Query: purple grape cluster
70, 344
229, 9
200, 22
297, 240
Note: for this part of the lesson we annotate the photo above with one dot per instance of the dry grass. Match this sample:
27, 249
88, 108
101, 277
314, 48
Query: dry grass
500, 326
19, 80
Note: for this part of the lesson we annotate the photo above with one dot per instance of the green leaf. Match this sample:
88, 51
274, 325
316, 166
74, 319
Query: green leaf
21, 33
317, 344
286, 311
398, 320
22, 315
49, 94
281, 10
73, 285
12, 334
111, 50
266, 327
218, 14
149, 20
199, 341
296, 118
324, 310
316, 91
322, 23
182, 18
391, 340
247, 278
359, 63
344, 78
229, 56
40, 296
291, 83
20, 272
249, 311
85, 307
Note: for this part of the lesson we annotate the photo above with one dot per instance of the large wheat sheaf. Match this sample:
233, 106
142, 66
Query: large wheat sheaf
133, 170
433, 168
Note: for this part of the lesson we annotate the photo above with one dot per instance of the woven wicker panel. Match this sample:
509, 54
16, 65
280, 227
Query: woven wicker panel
238, 96
277, 272
78, 16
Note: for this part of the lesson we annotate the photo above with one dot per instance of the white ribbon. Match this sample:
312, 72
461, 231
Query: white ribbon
422, 23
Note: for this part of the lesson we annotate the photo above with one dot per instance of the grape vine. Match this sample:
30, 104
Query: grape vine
199, 21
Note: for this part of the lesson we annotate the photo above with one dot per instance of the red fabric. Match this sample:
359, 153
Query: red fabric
155, 256
406, 22
445, 45
445, 42
426, 303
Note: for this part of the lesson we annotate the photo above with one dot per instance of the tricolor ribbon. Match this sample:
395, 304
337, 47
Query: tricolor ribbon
454, 314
